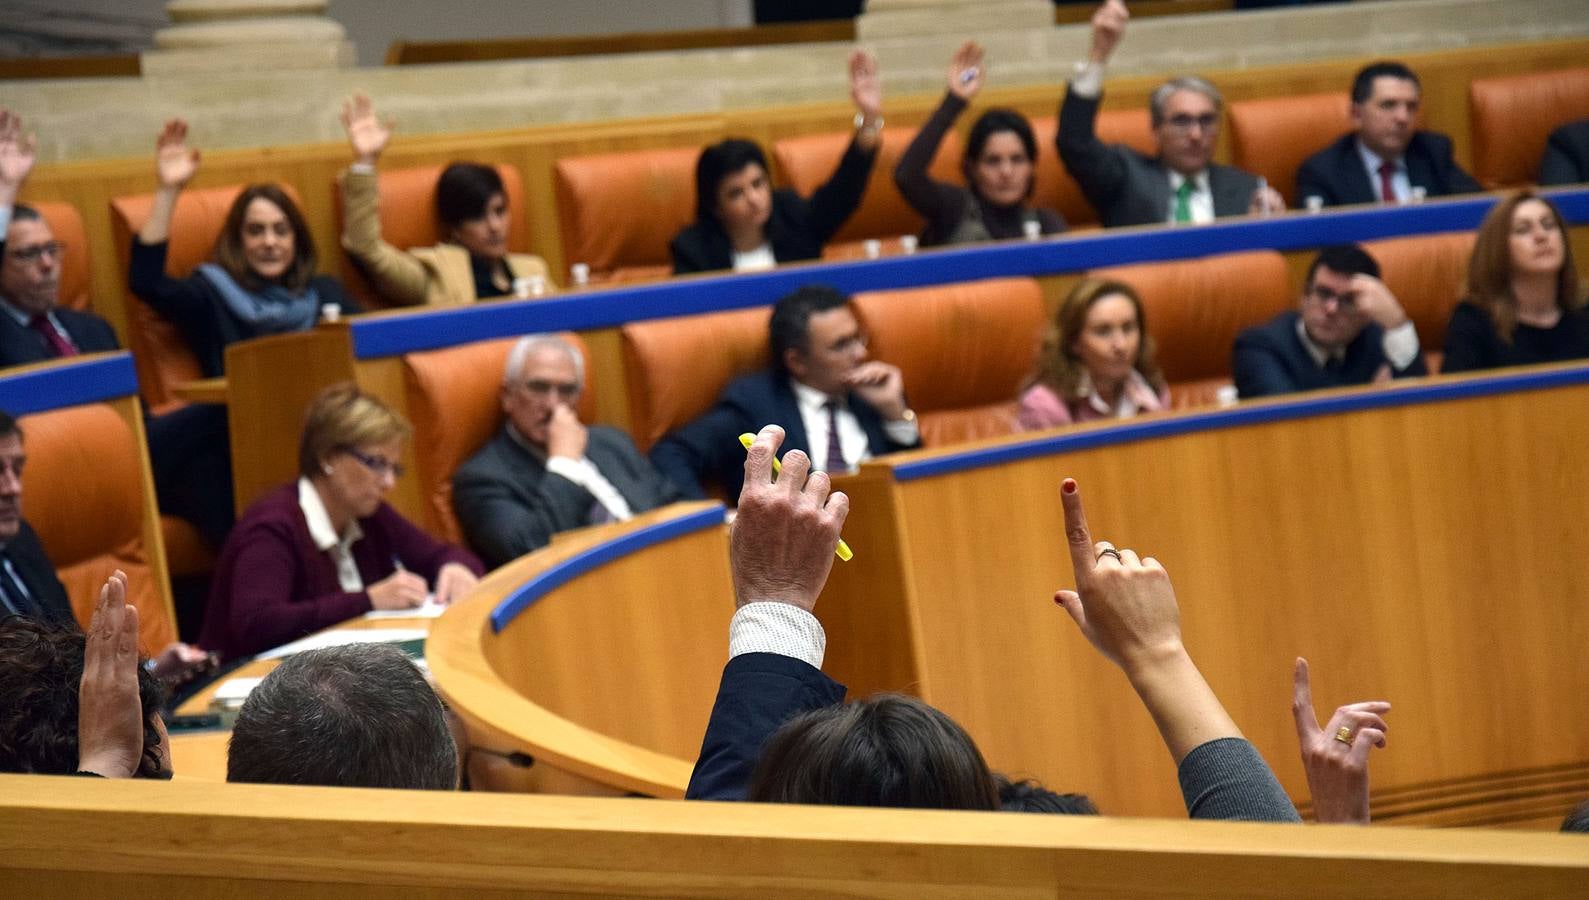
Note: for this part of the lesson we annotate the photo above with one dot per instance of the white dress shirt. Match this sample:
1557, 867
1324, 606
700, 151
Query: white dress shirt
1400, 345
327, 540
584, 473
852, 437
756, 260
1399, 182
1201, 201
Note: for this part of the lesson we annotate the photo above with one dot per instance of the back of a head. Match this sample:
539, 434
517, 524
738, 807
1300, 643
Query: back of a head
354, 716
887, 750
1028, 796
790, 323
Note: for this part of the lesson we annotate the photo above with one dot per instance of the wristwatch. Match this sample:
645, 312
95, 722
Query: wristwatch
909, 415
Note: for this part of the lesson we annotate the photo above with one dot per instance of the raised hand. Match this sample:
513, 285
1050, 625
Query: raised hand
18, 151
966, 72
110, 717
783, 538
866, 89
1108, 27
1335, 757
175, 162
367, 134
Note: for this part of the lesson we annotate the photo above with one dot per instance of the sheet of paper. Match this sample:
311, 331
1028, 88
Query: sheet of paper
344, 637
233, 691
430, 609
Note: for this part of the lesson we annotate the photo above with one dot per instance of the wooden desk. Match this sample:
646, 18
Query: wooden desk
203, 390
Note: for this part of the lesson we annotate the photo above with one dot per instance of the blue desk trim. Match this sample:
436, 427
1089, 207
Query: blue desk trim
69, 384
395, 334
1435, 391
533, 590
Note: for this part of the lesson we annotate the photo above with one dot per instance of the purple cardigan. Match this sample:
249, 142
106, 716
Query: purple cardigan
272, 585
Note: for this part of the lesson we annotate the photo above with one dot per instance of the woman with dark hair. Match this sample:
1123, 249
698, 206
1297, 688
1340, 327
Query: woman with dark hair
1522, 304
262, 278
471, 207
999, 165
1096, 362
741, 223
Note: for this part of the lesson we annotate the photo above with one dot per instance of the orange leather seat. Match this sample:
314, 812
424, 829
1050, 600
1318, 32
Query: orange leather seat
1195, 309
1428, 274
454, 406
162, 356
1055, 189
408, 220
66, 223
804, 163
675, 368
1512, 117
964, 350
82, 496
1272, 137
618, 211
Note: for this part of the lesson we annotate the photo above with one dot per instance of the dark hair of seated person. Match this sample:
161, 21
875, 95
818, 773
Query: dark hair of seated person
715, 163
1344, 259
229, 253
789, 327
887, 750
1577, 821
41, 670
463, 192
354, 716
998, 121
1029, 796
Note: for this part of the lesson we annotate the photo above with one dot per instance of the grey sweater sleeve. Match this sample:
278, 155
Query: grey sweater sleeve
1227, 779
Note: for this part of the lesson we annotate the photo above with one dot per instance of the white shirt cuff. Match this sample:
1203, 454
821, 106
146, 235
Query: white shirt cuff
1088, 80
568, 468
5, 221
1401, 345
905, 431
766, 626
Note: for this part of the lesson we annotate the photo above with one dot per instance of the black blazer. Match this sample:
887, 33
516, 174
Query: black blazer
709, 448
797, 228
758, 693
1270, 359
1336, 173
1566, 155
38, 575
508, 505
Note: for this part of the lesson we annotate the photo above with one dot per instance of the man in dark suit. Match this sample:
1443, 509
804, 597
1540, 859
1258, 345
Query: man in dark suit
1566, 155
545, 471
1180, 183
28, 585
820, 386
1385, 159
1349, 329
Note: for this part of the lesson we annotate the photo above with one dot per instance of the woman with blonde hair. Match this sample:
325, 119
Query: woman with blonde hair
1096, 361
327, 548
1522, 304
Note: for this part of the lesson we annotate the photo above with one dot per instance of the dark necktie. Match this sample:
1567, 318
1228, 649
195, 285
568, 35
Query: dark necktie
58, 344
1387, 191
835, 464
13, 593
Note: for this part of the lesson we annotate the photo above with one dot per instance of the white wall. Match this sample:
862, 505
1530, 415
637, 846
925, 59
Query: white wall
42, 27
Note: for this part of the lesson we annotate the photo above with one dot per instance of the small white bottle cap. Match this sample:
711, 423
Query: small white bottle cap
579, 274
907, 243
872, 247
1032, 228
1314, 203
331, 312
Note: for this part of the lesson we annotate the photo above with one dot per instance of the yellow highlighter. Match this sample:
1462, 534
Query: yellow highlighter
843, 551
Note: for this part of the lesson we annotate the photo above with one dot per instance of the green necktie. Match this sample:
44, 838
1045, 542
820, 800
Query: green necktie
1183, 202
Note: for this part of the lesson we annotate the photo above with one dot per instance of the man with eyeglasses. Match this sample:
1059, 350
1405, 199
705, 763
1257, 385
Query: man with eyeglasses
546, 471
32, 327
1180, 184
1349, 329
834, 403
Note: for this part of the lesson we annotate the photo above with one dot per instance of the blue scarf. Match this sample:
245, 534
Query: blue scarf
274, 310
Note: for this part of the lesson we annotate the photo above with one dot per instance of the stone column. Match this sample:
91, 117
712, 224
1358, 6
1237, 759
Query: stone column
919, 18
231, 35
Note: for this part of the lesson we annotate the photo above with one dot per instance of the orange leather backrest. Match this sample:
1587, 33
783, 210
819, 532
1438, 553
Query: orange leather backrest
1428, 274
159, 350
804, 163
1512, 117
1195, 308
964, 351
618, 210
1274, 136
82, 494
408, 219
454, 404
1055, 188
675, 368
67, 226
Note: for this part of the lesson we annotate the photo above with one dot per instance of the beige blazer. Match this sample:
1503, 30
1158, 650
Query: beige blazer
436, 276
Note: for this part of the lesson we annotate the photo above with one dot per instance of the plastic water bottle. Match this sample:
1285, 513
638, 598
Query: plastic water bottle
872, 247
579, 274
907, 243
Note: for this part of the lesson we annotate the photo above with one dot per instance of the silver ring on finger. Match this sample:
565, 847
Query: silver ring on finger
1109, 551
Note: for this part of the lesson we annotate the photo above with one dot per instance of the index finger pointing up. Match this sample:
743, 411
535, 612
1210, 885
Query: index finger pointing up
1076, 532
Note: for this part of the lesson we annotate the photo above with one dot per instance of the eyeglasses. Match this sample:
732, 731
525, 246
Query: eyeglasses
1325, 295
857, 341
1185, 121
376, 464
540, 387
26, 255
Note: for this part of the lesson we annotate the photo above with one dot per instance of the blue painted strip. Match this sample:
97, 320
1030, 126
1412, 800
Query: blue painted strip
395, 334
573, 567
71, 384
1436, 391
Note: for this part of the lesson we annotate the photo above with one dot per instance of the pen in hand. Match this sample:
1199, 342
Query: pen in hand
843, 551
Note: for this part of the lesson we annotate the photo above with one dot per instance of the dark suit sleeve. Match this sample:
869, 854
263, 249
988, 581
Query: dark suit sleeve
1226, 778
1456, 178
503, 523
89, 332
1097, 167
651, 485
939, 203
177, 300
702, 449
1566, 155
1313, 181
759, 692
1258, 368
832, 204
688, 252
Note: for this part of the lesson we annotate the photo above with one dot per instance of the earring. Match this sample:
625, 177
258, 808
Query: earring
326, 468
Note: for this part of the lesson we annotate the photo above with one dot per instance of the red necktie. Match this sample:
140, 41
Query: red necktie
1387, 191
58, 343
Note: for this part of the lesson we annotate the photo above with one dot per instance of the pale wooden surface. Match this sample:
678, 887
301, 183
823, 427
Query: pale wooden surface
66, 837
202, 390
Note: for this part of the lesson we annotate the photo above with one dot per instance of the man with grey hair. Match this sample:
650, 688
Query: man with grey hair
1180, 184
546, 471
